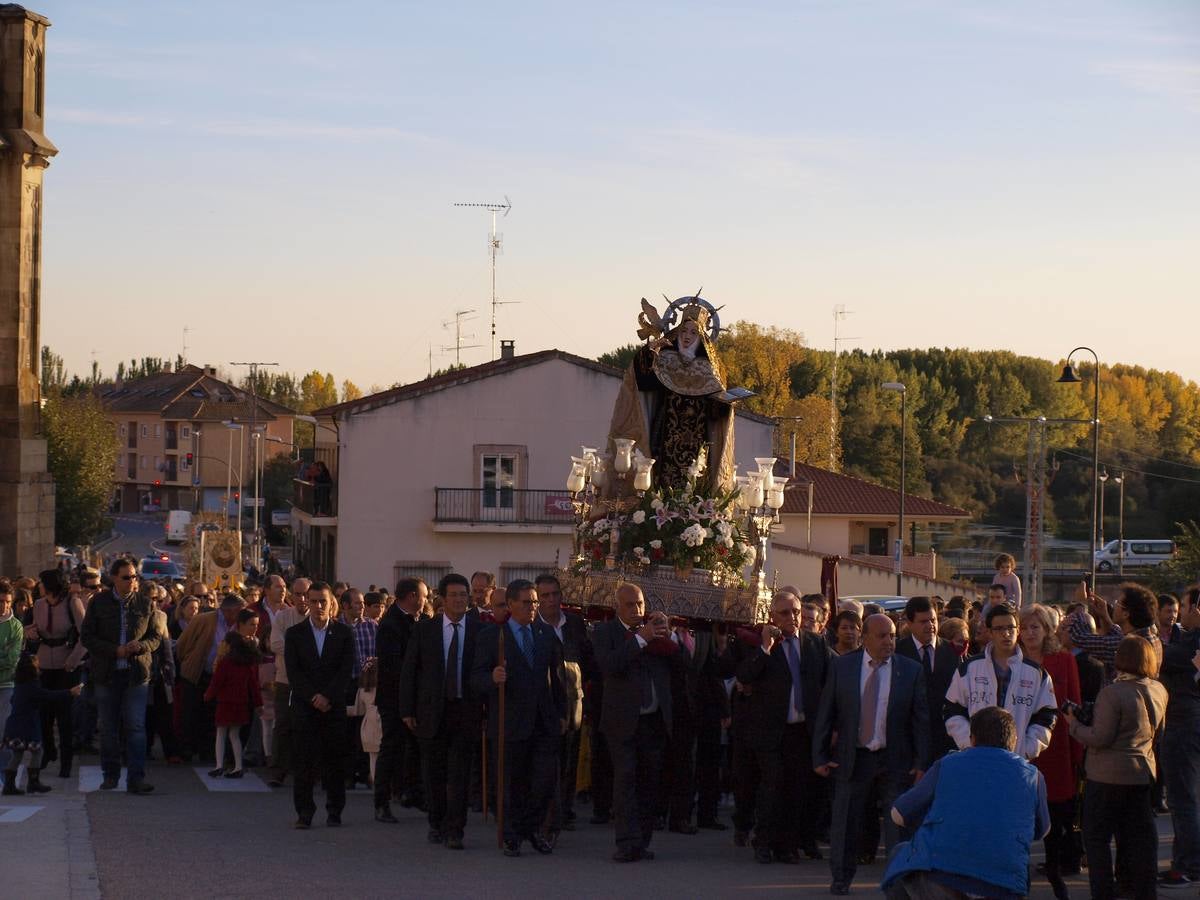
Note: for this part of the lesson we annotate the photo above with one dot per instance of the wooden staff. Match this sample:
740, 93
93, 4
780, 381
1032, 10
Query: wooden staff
500, 744
483, 767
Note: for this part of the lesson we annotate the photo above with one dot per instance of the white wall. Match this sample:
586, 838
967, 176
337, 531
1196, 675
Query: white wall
796, 567
392, 458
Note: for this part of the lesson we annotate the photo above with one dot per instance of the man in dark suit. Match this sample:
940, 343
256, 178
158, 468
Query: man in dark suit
529, 673
938, 659
785, 675
635, 655
437, 705
319, 654
578, 667
399, 760
877, 704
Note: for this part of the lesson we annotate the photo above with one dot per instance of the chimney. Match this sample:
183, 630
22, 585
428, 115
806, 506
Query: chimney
508, 349
210, 370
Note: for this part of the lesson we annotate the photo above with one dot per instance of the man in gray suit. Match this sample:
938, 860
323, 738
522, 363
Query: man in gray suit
635, 654
876, 702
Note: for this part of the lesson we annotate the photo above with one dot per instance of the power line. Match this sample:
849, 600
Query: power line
1116, 464
1160, 459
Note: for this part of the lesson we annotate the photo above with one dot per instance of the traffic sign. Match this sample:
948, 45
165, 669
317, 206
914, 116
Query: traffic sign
253, 501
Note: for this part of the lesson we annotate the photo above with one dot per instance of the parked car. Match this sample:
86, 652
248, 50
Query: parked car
156, 568
888, 602
1137, 554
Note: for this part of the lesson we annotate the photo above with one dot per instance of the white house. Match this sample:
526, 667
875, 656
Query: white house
464, 471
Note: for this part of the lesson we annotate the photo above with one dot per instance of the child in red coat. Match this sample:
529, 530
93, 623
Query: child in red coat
235, 687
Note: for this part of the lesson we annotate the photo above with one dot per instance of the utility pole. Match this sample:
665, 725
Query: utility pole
839, 312
460, 316
495, 241
255, 441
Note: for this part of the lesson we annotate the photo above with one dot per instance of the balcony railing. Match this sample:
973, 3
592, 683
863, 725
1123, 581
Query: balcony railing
327, 455
517, 506
314, 498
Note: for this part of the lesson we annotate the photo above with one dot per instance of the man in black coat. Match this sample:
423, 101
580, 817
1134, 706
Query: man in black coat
319, 654
437, 705
876, 702
635, 655
785, 674
579, 666
399, 760
529, 674
939, 660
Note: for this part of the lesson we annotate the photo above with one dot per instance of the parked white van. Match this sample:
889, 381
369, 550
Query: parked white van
179, 526
1136, 555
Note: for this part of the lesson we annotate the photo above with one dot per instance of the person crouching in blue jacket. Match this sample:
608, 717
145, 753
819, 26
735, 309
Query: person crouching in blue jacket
956, 851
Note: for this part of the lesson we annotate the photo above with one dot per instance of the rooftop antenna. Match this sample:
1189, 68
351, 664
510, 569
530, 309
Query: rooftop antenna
460, 316
494, 242
839, 312
183, 355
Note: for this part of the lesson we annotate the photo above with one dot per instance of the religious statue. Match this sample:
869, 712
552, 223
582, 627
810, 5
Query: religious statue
673, 403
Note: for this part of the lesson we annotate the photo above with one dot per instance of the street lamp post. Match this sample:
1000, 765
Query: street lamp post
234, 426
1120, 480
1070, 376
903, 391
1100, 520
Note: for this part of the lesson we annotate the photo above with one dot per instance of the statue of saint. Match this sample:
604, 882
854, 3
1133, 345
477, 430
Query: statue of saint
673, 400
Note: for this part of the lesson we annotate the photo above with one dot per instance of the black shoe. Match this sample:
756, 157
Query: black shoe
454, 843
216, 773
434, 836
303, 823
791, 857
333, 820
626, 855
139, 787
741, 838
712, 825
236, 773
600, 818
109, 783
682, 828
541, 843
512, 848
384, 814
645, 854
35, 785
1059, 887
763, 855
840, 888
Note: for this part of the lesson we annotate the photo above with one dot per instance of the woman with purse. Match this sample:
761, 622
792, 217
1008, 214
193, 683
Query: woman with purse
1127, 719
57, 615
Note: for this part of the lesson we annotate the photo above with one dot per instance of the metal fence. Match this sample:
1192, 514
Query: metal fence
518, 506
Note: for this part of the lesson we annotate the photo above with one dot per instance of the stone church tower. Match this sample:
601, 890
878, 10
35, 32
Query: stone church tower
26, 490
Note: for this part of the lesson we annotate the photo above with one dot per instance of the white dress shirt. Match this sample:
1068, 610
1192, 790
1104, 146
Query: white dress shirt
318, 635
557, 626
885, 691
932, 652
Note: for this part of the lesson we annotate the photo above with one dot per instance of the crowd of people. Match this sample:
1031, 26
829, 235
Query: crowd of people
849, 727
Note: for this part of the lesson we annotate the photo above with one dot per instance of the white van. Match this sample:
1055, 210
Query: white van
179, 526
1136, 554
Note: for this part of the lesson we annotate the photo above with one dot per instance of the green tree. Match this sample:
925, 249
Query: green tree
82, 447
54, 373
621, 357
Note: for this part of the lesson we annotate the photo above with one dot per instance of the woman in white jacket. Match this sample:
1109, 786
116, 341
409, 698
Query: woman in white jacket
1001, 676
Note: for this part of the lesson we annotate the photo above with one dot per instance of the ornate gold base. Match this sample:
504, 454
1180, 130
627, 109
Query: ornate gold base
696, 598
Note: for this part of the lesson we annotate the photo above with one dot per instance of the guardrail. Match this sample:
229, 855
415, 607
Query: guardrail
518, 506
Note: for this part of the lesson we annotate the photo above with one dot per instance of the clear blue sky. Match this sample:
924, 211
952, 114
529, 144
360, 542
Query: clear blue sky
279, 177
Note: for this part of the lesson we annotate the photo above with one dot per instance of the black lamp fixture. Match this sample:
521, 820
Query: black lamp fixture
1069, 375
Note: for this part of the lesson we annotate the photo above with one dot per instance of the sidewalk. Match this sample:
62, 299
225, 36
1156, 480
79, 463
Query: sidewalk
51, 840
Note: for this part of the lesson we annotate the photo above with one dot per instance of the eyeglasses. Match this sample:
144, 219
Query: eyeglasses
126, 578
1004, 629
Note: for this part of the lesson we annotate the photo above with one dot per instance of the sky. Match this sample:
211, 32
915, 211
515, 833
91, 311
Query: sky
280, 178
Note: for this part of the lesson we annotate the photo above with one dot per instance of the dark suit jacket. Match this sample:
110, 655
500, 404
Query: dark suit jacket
623, 664
391, 642
327, 674
907, 717
1091, 676
945, 662
770, 679
533, 696
423, 680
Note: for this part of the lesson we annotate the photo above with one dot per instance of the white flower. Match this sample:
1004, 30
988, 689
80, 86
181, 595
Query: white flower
693, 535
656, 504
724, 528
750, 555
639, 551
639, 517
600, 526
656, 545
727, 541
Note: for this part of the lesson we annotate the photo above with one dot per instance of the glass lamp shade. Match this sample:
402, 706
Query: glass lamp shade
623, 461
641, 481
775, 497
766, 467
578, 477
600, 473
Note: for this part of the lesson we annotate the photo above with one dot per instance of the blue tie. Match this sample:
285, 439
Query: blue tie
527, 644
793, 658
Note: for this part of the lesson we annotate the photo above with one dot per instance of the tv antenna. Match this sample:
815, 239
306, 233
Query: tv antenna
460, 316
183, 356
839, 312
494, 242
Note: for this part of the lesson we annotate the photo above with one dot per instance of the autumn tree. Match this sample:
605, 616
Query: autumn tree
350, 391
81, 447
761, 359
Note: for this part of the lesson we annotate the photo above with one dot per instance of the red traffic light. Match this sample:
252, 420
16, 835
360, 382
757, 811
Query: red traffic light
237, 496
189, 459
157, 482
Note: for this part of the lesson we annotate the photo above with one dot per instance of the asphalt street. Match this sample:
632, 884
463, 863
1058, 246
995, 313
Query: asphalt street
196, 837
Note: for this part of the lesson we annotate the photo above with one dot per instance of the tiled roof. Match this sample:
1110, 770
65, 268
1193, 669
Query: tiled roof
191, 393
835, 494
475, 373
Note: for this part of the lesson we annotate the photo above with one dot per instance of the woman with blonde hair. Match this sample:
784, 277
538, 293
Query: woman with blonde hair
1058, 763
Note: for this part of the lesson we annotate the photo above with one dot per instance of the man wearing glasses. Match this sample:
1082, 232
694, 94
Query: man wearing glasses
1001, 676
118, 632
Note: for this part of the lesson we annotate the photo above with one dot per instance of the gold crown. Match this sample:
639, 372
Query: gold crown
696, 313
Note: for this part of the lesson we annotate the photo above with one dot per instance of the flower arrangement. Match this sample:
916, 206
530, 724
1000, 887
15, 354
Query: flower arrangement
677, 527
